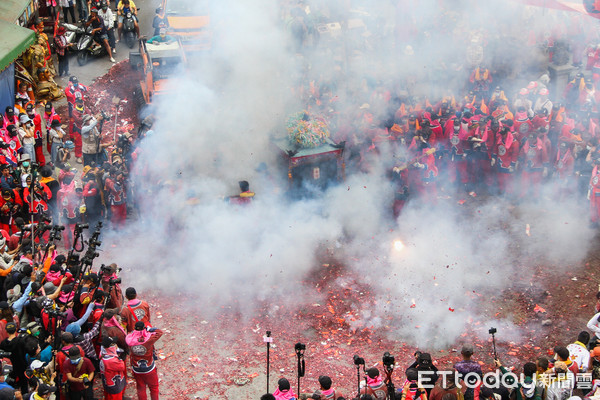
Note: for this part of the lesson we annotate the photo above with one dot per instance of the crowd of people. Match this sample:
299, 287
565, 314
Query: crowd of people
572, 373
479, 131
67, 330
480, 134
65, 325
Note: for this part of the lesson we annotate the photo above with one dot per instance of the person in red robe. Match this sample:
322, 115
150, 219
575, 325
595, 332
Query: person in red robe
564, 169
504, 158
534, 161
593, 194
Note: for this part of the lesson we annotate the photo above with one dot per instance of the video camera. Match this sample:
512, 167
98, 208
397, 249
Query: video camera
108, 270
55, 232
123, 143
105, 116
388, 360
54, 312
114, 281
81, 227
299, 347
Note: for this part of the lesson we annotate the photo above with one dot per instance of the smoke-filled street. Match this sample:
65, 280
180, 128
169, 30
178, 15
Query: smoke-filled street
291, 189
336, 265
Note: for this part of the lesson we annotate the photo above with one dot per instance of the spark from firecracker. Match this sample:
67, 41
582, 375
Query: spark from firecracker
398, 245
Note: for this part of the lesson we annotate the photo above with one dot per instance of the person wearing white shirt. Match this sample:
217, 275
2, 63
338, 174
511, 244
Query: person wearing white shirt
578, 351
109, 21
594, 326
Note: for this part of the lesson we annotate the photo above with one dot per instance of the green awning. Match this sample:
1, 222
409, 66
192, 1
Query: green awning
15, 40
11, 10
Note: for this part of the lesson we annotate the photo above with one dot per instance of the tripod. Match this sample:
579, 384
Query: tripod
268, 339
300, 348
358, 361
388, 366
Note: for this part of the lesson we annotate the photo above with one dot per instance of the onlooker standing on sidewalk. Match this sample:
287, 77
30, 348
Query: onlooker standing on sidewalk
109, 21
68, 7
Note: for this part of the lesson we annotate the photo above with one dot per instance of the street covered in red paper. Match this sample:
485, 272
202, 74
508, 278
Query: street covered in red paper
361, 178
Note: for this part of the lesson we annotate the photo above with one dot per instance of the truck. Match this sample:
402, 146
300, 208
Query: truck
156, 62
189, 20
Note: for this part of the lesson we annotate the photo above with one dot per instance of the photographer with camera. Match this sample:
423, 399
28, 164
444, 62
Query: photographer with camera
56, 136
69, 200
10, 208
135, 310
91, 133
7, 180
412, 389
117, 197
25, 166
26, 136
424, 363
111, 284
92, 197
14, 145
79, 371
14, 347
375, 385
41, 194
38, 134
86, 340
75, 125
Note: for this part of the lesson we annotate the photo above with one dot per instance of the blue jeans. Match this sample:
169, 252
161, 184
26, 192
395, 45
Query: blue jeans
29, 149
54, 152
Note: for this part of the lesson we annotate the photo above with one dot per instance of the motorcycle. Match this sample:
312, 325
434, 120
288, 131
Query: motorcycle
129, 29
73, 32
87, 46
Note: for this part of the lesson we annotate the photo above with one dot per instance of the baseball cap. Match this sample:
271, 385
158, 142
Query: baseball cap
44, 389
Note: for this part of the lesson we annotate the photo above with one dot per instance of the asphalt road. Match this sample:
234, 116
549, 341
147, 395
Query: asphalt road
99, 66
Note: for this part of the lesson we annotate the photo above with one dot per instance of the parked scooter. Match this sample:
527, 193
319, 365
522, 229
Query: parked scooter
87, 46
74, 32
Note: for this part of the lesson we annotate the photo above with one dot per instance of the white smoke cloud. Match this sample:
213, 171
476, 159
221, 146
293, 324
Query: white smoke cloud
215, 129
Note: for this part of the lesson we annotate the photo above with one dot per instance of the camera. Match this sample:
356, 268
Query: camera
299, 347
4, 145
73, 259
58, 227
10, 381
358, 360
86, 381
114, 281
5, 354
105, 116
82, 226
388, 360
492, 331
54, 313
